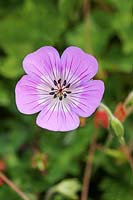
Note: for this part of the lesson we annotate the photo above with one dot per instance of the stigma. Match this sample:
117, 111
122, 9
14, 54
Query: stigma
60, 89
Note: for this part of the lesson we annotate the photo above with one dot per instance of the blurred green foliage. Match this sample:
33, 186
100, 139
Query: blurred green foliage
105, 30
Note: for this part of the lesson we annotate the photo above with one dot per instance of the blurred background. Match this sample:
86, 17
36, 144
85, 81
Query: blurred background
48, 165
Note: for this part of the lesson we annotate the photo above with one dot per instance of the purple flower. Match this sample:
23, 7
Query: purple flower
60, 88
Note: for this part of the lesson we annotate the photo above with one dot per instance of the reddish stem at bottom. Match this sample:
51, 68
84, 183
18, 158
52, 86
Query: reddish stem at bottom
88, 168
13, 186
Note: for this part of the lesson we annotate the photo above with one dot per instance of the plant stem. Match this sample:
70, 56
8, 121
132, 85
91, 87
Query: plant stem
13, 186
50, 193
106, 109
88, 168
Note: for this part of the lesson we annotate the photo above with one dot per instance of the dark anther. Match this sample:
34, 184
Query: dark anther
52, 88
64, 83
60, 98
51, 93
55, 95
59, 81
55, 83
68, 85
68, 92
65, 95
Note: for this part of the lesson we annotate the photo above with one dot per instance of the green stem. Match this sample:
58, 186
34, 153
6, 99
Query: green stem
50, 193
107, 110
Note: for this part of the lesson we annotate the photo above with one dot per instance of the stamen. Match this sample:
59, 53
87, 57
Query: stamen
51, 93
60, 98
59, 81
55, 83
55, 96
60, 90
68, 85
68, 92
65, 95
64, 83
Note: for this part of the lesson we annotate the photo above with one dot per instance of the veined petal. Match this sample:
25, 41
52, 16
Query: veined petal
30, 95
78, 66
86, 98
57, 117
43, 63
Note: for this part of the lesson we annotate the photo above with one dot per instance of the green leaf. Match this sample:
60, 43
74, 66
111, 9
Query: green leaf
115, 190
68, 188
21, 34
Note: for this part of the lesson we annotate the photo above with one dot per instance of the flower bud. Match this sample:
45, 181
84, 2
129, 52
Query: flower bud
39, 161
2, 168
1, 182
120, 112
101, 119
118, 128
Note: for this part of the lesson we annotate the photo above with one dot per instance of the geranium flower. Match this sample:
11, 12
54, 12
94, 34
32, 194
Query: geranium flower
60, 88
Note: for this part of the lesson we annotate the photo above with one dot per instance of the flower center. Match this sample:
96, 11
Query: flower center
60, 90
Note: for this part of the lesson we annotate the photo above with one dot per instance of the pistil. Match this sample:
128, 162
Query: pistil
61, 90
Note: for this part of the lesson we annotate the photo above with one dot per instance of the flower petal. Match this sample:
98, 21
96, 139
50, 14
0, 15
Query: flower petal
57, 117
30, 95
77, 65
44, 63
86, 98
